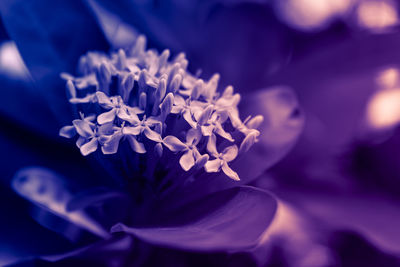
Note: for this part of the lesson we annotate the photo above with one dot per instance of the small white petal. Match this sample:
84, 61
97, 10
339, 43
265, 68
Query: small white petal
202, 160
132, 130
212, 145
193, 136
83, 128
187, 160
104, 100
249, 141
80, 141
255, 122
221, 132
89, 147
111, 146
230, 153
132, 118
108, 116
229, 172
173, 143
213, 165
68, 131
187, 115
135, 145
152, 135
207, 130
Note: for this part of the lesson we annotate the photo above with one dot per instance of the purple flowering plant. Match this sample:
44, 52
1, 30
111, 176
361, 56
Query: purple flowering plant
168, 153
170, 165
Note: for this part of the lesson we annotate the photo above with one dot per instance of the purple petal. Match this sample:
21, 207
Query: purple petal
68, 131
193, 136
230, 220
111, 146
213, 165
83, 128
221, 132
173, 143
135, 145
187, 160
89, 147
229, 172
104, 100
187, 115
230, 153
131, 117
131, 130
211, 145
80, 141
152, 135
207, 130
108, 116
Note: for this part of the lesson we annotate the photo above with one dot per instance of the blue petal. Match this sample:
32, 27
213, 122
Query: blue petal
51, 36
231, 220
174, 144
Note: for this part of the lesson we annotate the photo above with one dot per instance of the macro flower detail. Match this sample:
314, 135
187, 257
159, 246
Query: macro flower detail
140, 96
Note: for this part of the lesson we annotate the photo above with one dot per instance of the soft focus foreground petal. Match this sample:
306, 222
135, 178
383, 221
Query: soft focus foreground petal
51, 36
19, 231
23, 148
232, 220
45, 189
116, 251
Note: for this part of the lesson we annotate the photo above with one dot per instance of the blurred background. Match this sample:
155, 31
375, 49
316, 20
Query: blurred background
339, 187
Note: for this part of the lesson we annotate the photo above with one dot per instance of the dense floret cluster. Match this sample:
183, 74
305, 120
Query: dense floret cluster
139, 97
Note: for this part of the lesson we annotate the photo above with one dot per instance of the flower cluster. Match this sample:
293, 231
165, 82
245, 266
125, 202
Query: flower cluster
139, 97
